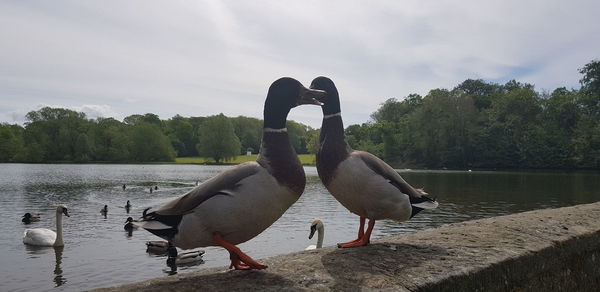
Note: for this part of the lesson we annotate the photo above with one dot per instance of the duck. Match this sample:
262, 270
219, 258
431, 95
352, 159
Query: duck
129, 226
241, 202
157, 246
28, 218
104, 209
128, 207
187, 257
47, 237
316, 226
360, 181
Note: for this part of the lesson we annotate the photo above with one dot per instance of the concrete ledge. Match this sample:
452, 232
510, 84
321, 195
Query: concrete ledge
553, 249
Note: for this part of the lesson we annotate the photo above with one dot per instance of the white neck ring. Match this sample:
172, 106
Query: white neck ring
271, 130
332, 115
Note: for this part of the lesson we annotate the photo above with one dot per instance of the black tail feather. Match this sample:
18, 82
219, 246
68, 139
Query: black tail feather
169, 220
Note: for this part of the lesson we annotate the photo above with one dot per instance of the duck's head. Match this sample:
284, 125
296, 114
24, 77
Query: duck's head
284, 94
331, 102
316, 224
27, 216
129, 220
62, 209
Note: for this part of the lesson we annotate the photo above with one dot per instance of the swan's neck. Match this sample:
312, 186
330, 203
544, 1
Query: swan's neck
320, 235
59, 239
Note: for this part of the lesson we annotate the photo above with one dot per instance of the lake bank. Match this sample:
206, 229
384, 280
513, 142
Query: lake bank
553, 249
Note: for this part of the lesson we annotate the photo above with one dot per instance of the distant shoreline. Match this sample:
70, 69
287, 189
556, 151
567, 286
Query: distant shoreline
305, 160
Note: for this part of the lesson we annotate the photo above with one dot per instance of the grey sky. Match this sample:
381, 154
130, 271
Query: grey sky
199, 58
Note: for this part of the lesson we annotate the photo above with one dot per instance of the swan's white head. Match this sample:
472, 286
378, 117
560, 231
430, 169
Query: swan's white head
316, 224
62, 209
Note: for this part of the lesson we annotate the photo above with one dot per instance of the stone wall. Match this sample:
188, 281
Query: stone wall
542, 250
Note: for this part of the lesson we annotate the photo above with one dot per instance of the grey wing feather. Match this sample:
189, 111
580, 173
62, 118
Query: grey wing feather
383, 169
223, 181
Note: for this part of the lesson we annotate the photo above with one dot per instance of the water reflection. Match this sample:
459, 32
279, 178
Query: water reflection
38, 252
172, 267
58, 272
129, 227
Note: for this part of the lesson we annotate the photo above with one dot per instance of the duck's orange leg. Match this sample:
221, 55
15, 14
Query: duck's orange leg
361, 233
363, 237
239, 260
361, 229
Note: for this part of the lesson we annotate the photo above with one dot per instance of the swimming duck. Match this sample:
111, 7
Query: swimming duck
127, 206
241, 202
129, 226
157, 246
104, 209
47, 237
361, 182
28, 218
316, 226
175, 257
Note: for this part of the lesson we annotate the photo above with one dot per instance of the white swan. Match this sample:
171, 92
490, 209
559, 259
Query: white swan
316, 225
47, 237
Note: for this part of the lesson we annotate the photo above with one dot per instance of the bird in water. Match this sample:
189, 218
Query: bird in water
316, 226
28, 218
174, 257
241, 202
360, 181
47, 237
129, 226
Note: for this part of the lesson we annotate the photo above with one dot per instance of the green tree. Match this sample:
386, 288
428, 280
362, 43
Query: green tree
148, 143
181, 133
590, 81
55, 131
218, 140
11, 142
249, 131
110, 140
298, 136
312, 144
393, 110
480, 91
513, 118
83, 149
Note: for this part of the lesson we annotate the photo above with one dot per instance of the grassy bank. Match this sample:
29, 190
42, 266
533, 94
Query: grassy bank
305, 159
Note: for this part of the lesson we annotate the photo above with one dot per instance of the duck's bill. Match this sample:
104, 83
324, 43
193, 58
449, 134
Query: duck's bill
66, 213
311, 96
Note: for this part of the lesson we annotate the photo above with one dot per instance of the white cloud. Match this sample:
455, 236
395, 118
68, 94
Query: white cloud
205, 57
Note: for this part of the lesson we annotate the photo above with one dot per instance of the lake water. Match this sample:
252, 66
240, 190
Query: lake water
99, 253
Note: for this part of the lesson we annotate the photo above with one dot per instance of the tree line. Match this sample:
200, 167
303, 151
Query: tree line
480, 124
477, 124
63, 135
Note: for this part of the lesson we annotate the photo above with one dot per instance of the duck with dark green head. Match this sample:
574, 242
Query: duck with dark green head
360, 181
241, 202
